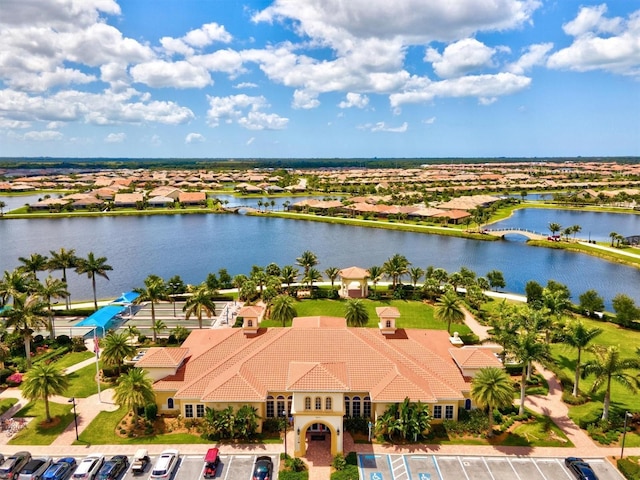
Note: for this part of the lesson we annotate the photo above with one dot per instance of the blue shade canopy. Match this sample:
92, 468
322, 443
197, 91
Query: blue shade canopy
126, 298
101, 317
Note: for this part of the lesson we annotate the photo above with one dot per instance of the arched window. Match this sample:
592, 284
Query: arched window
327, 403
467, 404
366, 407
388, 323
280, 406
170, 404
356, 407
270, 407
249, 323
318, 403
347, 407
307, 403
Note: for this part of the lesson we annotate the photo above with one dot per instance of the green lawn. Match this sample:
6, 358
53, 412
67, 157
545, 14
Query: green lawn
72, 358
413, 314
35, 433
82, 383
6, 404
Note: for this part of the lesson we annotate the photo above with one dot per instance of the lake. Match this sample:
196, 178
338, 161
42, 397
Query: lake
194, 245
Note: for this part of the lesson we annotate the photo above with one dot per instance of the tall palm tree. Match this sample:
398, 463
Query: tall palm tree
307, 260
283, 309
13, 283
332, 273
578, 336
115, 348
554, 228
396, 267
154, 291
356, 313
416, 274
200, 303
492, 388
448, 309
49, 289
312, 275
61, 260
375, 275
34, 264
606, 366
2, 205
27, 315
528, 349
134, 389
93, 266
43, 381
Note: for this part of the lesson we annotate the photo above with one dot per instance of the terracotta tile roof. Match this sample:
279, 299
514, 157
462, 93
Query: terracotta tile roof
474, 357
318, 353
387, 312
163, 357
354, 272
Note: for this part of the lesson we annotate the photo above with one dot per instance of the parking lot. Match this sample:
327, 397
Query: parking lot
452, 467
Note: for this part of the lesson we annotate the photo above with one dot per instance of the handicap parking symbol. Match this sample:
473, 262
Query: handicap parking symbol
376, 476
424, 476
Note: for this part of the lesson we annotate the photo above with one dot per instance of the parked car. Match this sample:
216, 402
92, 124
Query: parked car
88, 467
581, 469
60, 470
263, 468
140, 461
34, 468
113, 468
211, 461
13, 464
165, 464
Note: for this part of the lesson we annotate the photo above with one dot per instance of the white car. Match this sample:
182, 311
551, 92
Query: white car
165, 464
88, 467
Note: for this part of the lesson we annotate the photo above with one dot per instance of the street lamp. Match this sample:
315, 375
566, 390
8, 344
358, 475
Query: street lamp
174, 287
627, 415
284, 416
75, 415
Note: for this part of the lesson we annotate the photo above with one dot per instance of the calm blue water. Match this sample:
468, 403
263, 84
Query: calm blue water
194, 245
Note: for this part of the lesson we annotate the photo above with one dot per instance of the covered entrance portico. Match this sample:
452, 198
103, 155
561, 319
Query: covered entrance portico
323, 431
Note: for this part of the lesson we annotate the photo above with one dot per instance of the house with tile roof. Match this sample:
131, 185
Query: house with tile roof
318, 372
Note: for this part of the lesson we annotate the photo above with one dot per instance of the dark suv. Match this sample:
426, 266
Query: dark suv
13, 464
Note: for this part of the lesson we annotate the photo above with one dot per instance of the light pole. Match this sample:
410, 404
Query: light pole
284, 416
173, 287
75, 415
627, 415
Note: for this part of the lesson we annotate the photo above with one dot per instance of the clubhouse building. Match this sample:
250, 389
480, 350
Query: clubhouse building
318, 372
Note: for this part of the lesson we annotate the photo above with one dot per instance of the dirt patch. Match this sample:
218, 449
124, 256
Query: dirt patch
160, 425
55, 421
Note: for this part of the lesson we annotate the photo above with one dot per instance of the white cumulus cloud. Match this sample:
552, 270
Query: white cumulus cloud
194, 138
383, 127
116, 137
245, 110
354, 100
460, 58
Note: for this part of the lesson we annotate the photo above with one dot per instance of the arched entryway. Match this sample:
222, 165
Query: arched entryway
318, 438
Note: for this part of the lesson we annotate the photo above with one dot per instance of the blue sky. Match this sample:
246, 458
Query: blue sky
319, 78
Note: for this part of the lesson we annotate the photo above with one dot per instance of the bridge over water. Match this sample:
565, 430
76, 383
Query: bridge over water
530, 234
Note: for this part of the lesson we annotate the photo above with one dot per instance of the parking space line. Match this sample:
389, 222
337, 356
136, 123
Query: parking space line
513, 468
227, 467
488, 469
539, 471
435, 462
563, 468
464, 470
393, 468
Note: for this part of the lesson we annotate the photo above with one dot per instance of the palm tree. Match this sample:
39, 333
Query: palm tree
283, 309
61, 260
491, 388
155, 290
93, 266
578, 335
134, 389
528, 349
312, 275
13, 283
34, 264
52, 288
448, 309
375, 275
332, 273
307, 260
606, 366
115, 348
554, 228
43, 381
158, 327
27, 315
416, 274
200, 303
613, 236
396, 267
2, 205
288, 275
356, 313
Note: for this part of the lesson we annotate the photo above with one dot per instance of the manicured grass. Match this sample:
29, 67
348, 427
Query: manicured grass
6, 404
72, 358
37, 434
82, 383
536, 434
413, 314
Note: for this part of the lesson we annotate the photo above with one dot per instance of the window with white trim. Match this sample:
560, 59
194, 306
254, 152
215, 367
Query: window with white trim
280, 406
170, 404
366, 407
437, 411
327, 403
318, 403
188, 411
347, 407
270, 407
307, 403
448, 412
355, 407
199, 410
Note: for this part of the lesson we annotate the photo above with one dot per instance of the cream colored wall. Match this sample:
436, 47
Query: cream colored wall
156, 374
161, 402
337, 402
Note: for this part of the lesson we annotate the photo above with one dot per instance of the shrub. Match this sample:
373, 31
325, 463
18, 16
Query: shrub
14, 379
629, 468
295, 464
151, 411
286, 475
339, 462
4, 374
77, 344
37, 339
271, 425
350, 472
63, 340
